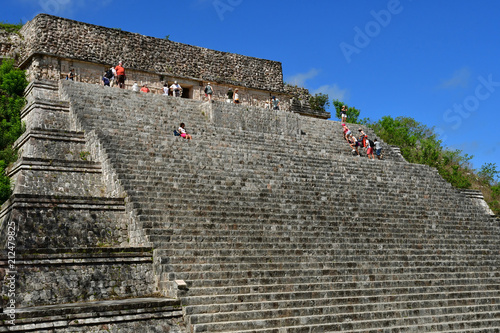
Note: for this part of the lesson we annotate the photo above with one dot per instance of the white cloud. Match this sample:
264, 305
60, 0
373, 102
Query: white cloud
333, 92
460, 78
65, 8
301, 78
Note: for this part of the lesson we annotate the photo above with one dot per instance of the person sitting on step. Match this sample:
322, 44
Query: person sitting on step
183, 132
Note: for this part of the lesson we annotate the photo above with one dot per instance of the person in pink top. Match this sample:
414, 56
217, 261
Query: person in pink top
347, 132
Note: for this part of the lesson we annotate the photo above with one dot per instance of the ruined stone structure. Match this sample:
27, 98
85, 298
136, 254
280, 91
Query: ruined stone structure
262, 223
51, 46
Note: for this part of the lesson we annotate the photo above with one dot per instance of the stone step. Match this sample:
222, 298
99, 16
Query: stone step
223, 254
315, 283
264, 241
383, 264
241, 153
467, 324
43, 164
298, 181
346, 272
366, 287
79, 316
375, 233
356, 296
367, 254
418, 242
214, 241
258, 211
214, 215
221, 322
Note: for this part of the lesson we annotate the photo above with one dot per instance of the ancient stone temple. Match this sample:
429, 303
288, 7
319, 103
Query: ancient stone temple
52, 46
263, 222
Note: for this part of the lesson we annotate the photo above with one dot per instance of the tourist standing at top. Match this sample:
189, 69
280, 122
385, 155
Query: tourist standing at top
236, 97
109, 74
343, 112
145, 88
165, 89
378, 149
230, 95
276, 103
209, 91
176, 89
105, 80
71, 75
120, 73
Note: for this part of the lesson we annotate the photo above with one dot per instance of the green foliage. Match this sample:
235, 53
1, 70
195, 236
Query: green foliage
488, 174
9, 27
456, 177
352, 113
419, 144
12, 84
496, 190
319, 102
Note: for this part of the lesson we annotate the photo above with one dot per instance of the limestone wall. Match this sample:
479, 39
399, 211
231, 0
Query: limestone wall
76, 275
9, 42
50, 35
52, 46
262, 120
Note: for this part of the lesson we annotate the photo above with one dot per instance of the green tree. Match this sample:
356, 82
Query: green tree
352, 113
419, 144
488, 174
319, 102
12, 84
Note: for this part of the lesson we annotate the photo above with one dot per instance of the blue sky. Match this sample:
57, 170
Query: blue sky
433, 60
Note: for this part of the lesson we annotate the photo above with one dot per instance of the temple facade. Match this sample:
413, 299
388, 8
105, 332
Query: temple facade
48, 47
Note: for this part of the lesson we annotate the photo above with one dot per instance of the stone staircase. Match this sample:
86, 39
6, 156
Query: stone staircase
283, 230
266, 216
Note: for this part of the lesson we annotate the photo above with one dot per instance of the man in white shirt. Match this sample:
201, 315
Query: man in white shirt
176, 89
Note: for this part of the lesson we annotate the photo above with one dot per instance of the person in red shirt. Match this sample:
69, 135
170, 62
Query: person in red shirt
145, 89
120, 73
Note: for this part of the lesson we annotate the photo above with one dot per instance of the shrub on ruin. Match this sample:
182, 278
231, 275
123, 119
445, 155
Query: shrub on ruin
319, 102
12, 84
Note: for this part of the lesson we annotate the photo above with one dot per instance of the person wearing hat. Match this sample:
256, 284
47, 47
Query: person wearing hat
176, 89
276, 103
209, 91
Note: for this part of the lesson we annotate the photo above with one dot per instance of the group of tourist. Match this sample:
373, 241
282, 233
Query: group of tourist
115, 76
372, 148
